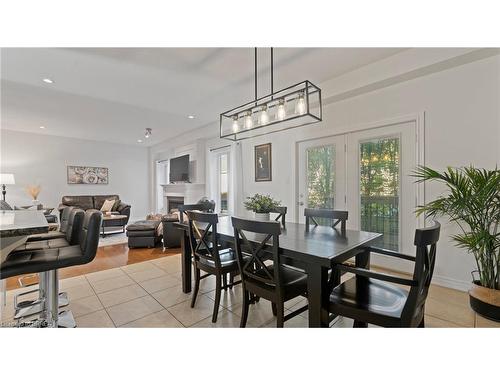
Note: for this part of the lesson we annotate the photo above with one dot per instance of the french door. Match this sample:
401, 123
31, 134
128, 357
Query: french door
321, 182
368, 174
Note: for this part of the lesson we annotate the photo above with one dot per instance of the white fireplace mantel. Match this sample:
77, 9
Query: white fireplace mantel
190, 192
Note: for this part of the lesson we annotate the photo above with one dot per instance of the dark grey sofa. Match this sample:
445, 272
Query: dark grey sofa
88, 202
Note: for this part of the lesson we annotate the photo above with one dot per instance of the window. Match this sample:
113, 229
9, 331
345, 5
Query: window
223, 191
379, 163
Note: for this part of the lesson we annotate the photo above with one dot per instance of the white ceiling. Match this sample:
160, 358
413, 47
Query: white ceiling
113, 94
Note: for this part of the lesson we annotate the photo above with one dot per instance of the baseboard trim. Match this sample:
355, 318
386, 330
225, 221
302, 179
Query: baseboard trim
448, 282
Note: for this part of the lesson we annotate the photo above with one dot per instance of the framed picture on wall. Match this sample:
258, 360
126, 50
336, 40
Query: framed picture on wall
263, 163
87, 175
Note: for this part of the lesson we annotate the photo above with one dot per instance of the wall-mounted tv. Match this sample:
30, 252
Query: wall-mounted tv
179, 169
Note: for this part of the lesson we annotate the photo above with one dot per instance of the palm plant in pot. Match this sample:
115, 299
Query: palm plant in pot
262, 206
472, 201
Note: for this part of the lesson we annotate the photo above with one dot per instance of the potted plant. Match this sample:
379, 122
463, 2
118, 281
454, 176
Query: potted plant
261, 205
472, 201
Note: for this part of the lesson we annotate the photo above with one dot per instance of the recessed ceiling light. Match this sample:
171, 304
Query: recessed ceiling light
42, 127
48, 80
139, 140
191, 117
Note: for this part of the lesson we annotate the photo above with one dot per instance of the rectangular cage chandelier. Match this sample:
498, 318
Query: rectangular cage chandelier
292, 107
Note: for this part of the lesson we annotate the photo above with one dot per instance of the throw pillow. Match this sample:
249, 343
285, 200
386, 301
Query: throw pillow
107, 205
156, 217
115, 206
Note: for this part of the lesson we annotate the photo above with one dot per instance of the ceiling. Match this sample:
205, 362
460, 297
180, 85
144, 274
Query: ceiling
113, 94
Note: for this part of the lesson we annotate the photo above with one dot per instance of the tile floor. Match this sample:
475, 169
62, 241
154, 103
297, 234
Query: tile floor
149, 294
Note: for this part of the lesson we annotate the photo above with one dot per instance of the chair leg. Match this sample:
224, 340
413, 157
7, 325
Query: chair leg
231, 280
422, 323
218, 288
275, 309
359, 324
196, 285
280, 316
244, 309
224, 281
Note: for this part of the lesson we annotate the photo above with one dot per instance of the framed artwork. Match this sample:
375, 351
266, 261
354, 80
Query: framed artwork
87, 175
263, 163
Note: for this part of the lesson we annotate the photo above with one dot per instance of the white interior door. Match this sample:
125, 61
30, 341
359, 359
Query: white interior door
381, 194
321, 174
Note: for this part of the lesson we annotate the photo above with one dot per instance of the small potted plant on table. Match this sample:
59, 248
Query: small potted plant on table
261, 205
473, 202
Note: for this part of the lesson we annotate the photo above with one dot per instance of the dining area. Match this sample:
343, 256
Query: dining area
319, 259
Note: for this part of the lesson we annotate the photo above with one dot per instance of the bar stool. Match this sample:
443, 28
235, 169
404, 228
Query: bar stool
73, 227
47, 262
61, 233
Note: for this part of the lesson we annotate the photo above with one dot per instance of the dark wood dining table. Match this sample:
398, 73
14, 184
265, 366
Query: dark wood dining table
315, 250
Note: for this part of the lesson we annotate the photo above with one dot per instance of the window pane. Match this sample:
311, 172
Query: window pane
320, 177
379, 189
223, 182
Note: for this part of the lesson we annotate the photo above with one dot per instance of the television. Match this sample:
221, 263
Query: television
179, 169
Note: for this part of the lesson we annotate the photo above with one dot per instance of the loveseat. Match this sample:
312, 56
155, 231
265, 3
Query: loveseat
87, 202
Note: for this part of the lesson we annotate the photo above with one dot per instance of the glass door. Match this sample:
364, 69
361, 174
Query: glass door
382, 194
321, 174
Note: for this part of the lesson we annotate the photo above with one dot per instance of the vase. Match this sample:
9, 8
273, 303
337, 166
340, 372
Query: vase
259, 216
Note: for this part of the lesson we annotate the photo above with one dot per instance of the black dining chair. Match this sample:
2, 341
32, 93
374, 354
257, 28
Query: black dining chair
371, 297
206, 206
276, 282
281, 211
209, 256
335, 217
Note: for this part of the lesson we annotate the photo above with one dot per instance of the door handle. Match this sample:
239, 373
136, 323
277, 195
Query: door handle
300, 203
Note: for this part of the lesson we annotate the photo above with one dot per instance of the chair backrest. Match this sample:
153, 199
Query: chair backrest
204, 207
253, 252
281, 211
74, 225
89, 235
64, 218
425, 241
336, 217
203, 236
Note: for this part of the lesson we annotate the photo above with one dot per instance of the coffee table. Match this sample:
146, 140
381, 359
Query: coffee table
112, 221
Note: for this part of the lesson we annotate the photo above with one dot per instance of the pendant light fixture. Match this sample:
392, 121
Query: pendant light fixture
289, 108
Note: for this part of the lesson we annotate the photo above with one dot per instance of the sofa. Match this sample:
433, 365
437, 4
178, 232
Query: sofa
87, 202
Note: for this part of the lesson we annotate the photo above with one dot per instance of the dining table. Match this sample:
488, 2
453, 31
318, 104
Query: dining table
316, 250
15, 227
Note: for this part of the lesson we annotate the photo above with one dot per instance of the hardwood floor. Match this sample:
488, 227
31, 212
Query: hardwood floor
107, 257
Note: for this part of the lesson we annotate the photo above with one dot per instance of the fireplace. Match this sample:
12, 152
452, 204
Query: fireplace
173, 203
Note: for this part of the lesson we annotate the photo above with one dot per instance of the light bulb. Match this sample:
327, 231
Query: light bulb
281, 113
300, 105
235, 124
248, 120
264, 117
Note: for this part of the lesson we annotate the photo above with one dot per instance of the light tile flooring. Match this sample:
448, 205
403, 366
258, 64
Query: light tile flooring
149, 294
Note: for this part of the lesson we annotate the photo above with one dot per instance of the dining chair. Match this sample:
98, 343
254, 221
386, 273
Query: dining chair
275, 282
371, 297
335, 216
281, 211
209, 256
204, 207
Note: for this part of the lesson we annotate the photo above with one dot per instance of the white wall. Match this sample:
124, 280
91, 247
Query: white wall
461, 102
42, 159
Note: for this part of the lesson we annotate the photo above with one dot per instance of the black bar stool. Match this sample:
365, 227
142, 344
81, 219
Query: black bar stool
49, 261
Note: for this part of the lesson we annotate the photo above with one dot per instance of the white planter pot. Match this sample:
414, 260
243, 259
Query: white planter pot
262, 217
